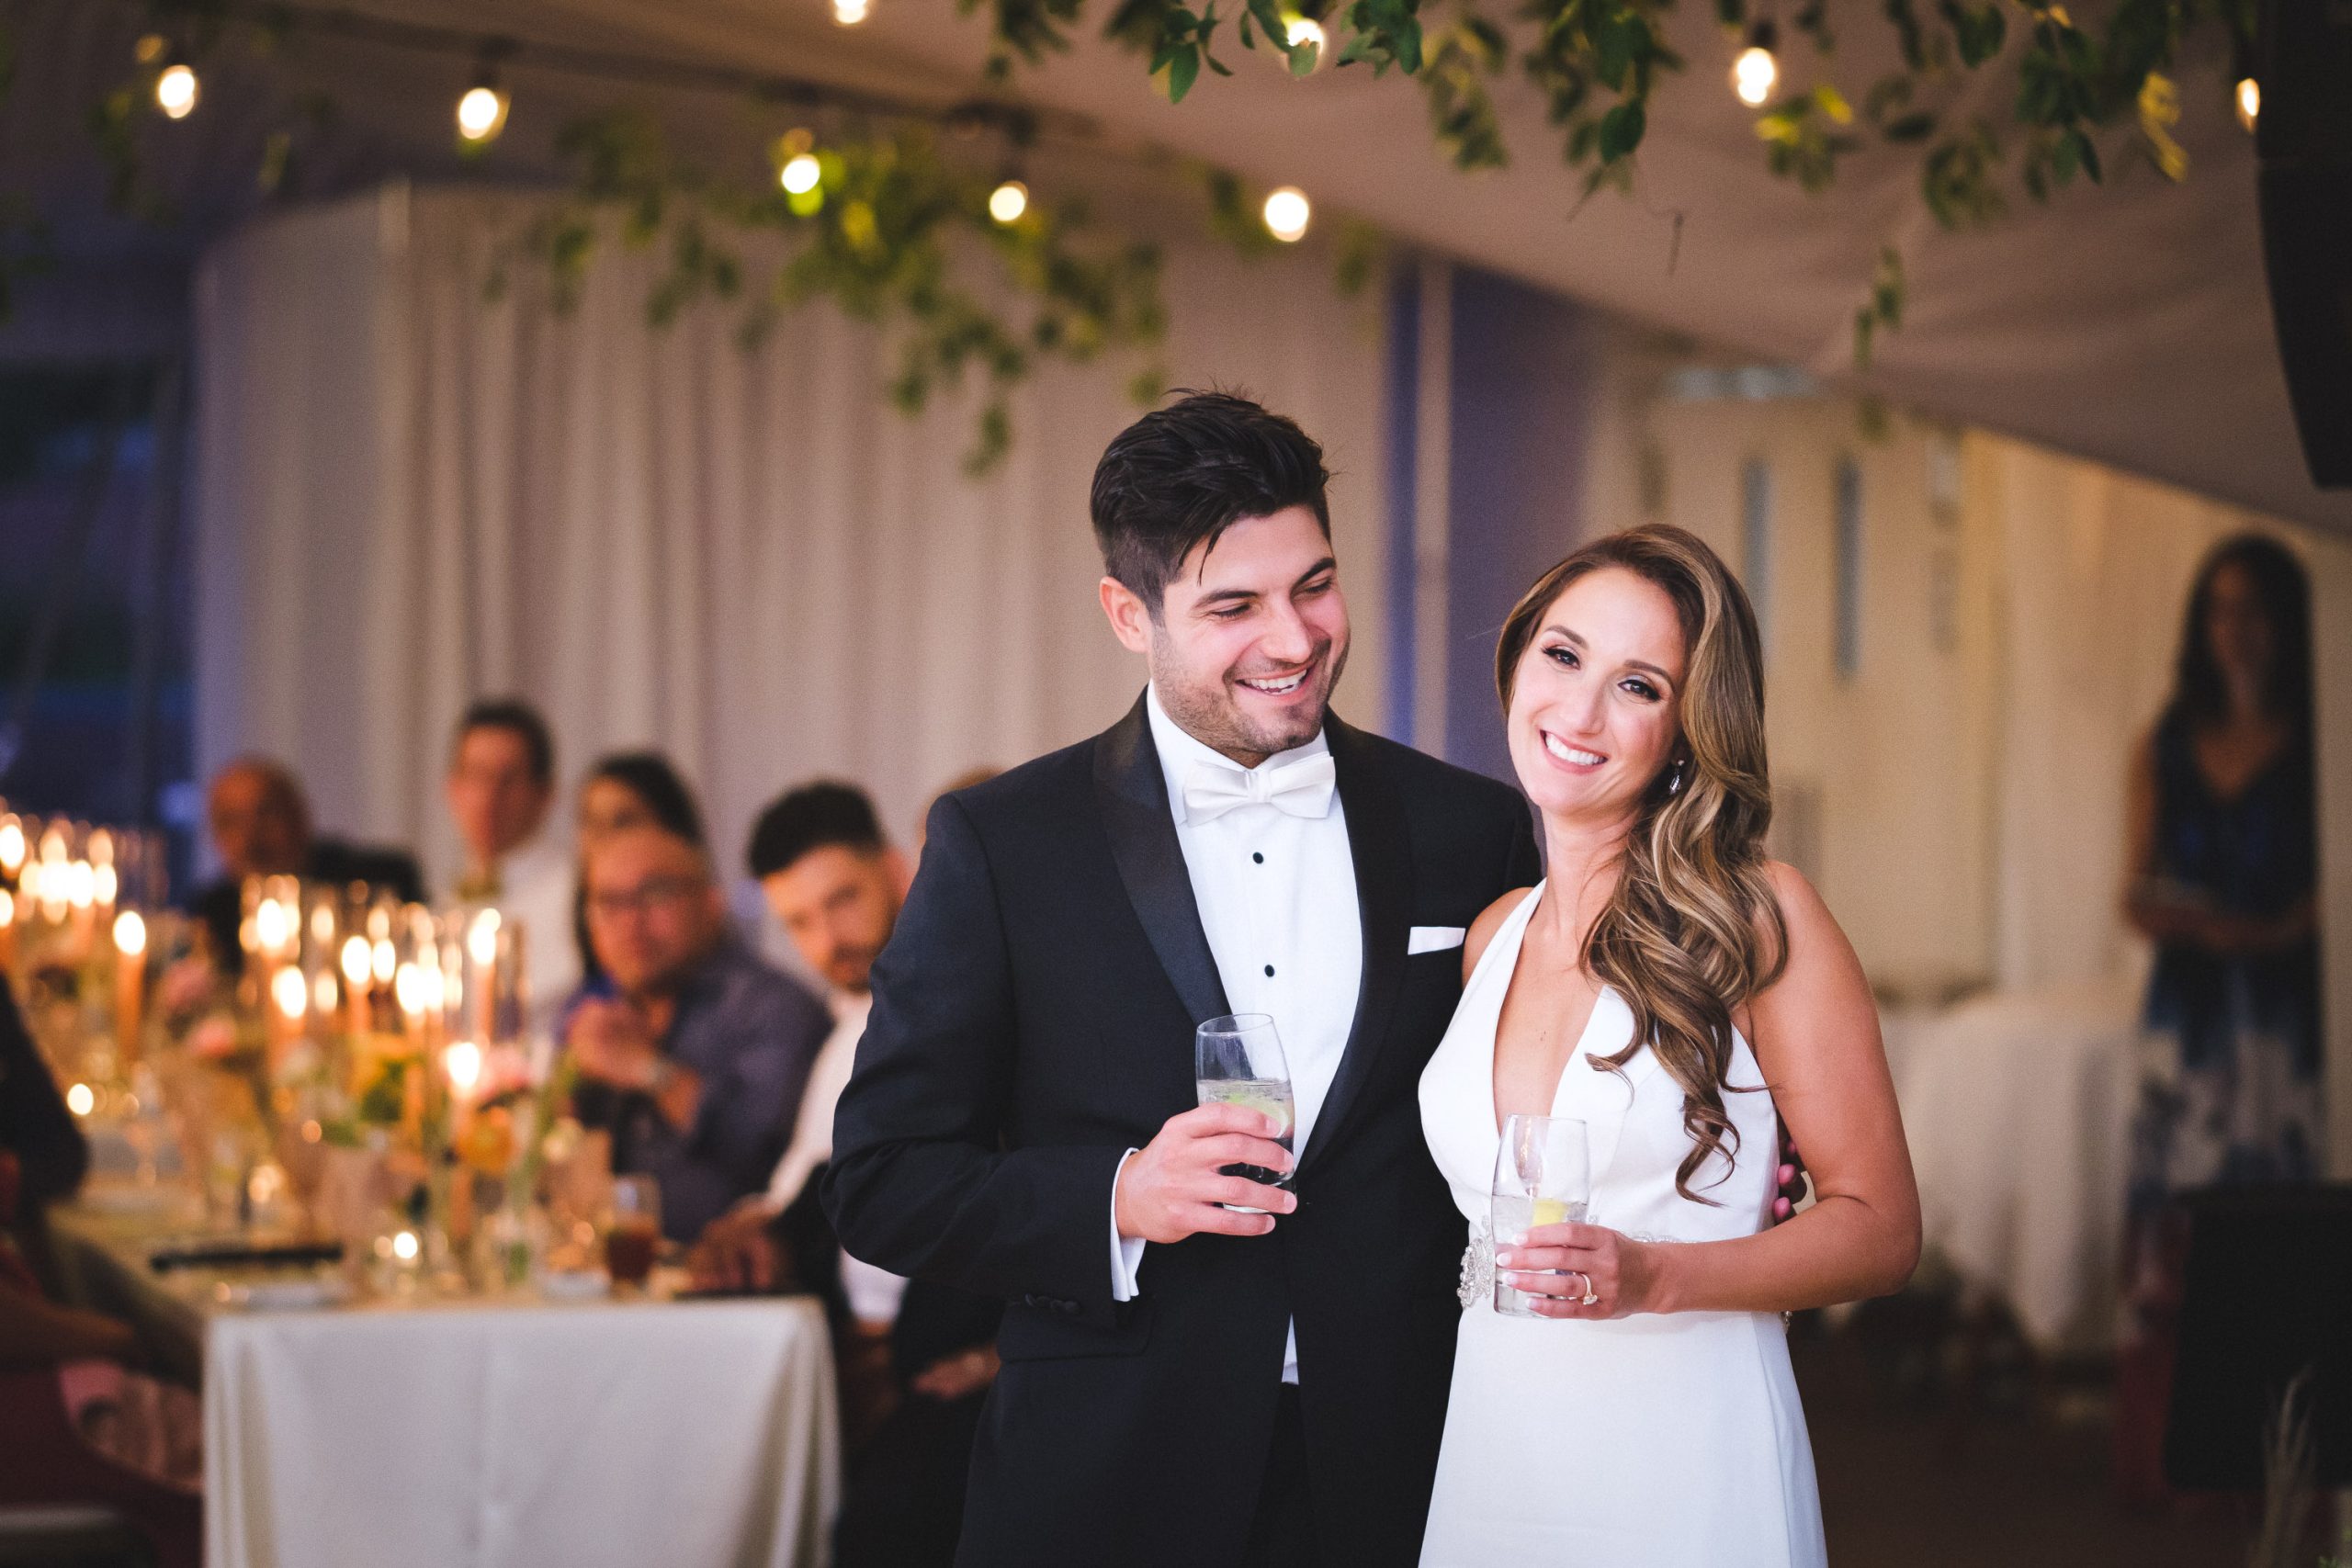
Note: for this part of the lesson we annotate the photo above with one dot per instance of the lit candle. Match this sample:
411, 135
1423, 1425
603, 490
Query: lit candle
130, 984
7, 934
289, 997
356, 969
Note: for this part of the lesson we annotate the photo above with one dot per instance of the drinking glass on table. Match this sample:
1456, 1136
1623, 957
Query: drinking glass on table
635, 1234
1543, 1177
1238, 1060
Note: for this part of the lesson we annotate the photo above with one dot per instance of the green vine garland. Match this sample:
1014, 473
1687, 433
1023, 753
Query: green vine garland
1599, 63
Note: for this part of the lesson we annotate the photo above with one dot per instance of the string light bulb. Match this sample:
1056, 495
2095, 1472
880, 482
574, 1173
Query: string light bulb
849, 13
177, 90
1756, 71
481, 113
1298, 31
1009, 201
2249, 102
799, 175
1287, 213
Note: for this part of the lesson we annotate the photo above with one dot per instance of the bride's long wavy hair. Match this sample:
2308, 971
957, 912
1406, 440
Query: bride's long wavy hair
1693, 930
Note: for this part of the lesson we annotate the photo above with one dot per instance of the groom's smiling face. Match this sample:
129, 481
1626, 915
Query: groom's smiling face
1248, 638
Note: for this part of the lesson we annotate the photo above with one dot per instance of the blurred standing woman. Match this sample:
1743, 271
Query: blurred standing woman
2223, 870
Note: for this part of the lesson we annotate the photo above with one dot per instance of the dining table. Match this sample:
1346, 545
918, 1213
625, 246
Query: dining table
351, 1422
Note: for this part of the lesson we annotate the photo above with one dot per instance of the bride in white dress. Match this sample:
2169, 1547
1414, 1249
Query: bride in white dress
1673, 989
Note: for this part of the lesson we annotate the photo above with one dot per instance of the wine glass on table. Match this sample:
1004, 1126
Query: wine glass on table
1238, 1060
1543, 1177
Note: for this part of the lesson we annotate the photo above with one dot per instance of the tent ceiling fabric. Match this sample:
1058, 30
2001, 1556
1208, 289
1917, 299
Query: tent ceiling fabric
2128, 323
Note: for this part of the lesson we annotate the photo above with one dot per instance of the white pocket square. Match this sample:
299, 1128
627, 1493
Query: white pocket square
1434, 938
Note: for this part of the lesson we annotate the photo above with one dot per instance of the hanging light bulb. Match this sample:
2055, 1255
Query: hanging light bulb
1009, 201
482, 110
799, 175
176, 90
1298, 31
1287, 214
2249, 101
1756, 72
849, 13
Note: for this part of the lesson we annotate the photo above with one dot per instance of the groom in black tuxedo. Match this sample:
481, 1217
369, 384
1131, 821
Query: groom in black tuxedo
1185, 1383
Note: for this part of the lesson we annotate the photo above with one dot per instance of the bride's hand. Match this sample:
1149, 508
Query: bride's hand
1560, 1266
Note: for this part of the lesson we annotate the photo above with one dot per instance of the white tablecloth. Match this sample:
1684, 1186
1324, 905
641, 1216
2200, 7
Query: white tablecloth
2017, 1109
683, 1435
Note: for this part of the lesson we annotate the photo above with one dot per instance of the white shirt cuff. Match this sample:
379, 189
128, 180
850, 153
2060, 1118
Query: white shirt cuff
1126, 1252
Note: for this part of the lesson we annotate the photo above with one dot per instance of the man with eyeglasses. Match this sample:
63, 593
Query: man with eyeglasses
692, 1051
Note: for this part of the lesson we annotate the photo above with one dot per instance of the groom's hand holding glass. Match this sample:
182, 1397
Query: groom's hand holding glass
1175, 1186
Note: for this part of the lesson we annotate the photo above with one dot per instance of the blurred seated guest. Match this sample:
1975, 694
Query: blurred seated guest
691, 1050
628, 789
74, 1426
261, 827
916, 1360
2224, 862
499, 789
35, 1126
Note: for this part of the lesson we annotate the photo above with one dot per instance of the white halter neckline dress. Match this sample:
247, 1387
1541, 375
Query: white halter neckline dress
1653, 1441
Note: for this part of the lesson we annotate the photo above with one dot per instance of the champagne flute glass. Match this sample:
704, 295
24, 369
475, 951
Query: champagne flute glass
1543, 1177
1238, 1060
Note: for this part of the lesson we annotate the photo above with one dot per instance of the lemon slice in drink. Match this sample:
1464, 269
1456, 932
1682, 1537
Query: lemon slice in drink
1549, 1212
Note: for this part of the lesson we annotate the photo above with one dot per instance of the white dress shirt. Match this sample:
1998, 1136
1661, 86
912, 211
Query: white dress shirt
1277, 896
874, 1293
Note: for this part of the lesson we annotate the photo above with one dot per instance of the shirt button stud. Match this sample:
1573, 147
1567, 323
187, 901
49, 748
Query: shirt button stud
1257, 858
1269, 971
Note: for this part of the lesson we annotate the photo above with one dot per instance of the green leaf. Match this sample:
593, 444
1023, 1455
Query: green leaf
1910, 128
1182, 68
1621, 130
2088, 152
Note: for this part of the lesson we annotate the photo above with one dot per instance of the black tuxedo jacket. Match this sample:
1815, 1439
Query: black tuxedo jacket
1033, 1021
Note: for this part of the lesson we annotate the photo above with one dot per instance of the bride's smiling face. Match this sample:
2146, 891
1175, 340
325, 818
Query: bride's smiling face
1596, 701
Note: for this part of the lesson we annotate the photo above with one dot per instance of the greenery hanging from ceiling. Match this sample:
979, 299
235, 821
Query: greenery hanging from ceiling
1599, 62
887, 219
889, 223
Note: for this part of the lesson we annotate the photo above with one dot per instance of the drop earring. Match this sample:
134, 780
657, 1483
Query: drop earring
1674, 783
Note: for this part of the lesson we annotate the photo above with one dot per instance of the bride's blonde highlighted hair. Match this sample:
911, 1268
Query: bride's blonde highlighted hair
1693, 930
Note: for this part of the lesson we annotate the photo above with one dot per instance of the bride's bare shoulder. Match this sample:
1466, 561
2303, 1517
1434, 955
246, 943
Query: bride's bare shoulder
1483, 929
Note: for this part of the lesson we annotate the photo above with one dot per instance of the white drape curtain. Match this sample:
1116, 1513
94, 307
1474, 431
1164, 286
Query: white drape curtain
411, 493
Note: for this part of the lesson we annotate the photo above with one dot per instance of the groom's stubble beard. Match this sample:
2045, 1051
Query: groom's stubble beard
1207, 710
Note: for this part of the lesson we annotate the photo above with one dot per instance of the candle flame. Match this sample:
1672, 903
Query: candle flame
130, 933
404, 1247
323, 992
104, 883
482, 940
356, 958
387, 959
12, 844
80, 1100
462, 1062
288, 991
269, 925
81, 885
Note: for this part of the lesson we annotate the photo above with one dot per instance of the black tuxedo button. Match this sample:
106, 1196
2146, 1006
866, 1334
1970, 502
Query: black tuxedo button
1068, 1309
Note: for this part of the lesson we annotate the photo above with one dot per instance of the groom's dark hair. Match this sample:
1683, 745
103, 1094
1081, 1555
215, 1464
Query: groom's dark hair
1183, 475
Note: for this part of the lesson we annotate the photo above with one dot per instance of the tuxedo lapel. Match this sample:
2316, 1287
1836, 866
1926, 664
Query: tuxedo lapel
1378, 844
1134, 799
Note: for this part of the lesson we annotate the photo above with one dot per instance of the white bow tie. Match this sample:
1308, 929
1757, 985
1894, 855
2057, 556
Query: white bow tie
1301, 788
